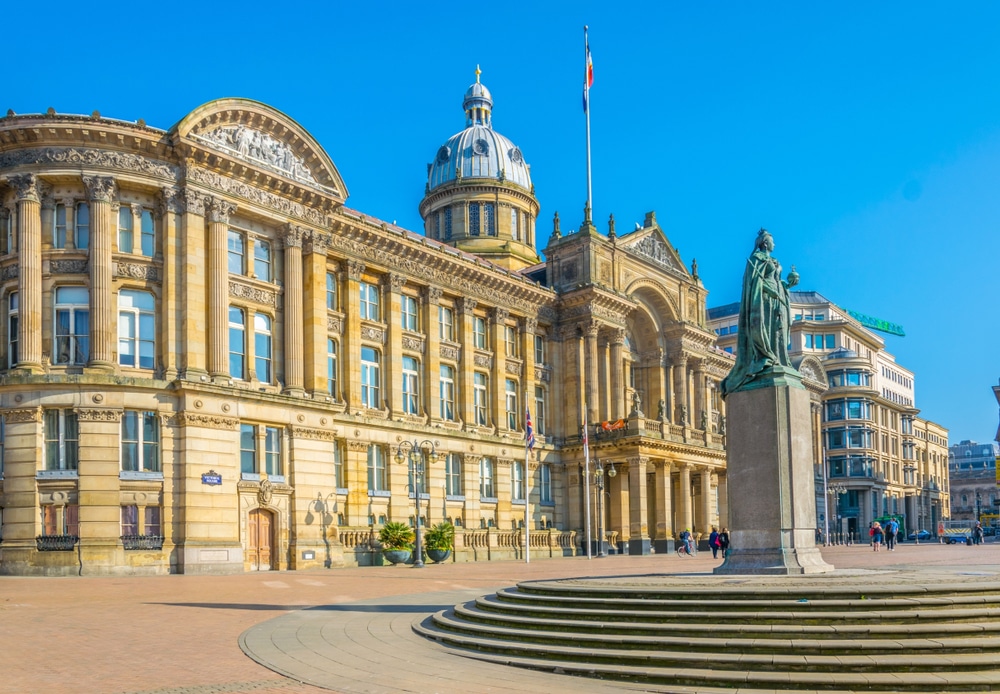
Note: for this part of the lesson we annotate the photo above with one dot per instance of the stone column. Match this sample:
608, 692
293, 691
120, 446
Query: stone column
27, 188
103, 232
700, 402
617, 376
619, 502
503, 487
590, 331
684, 498
315, 318
350, 370
432, 352
393, 366
23, 435
219, 212
670, 406
723, 500
638, 543
169, 208
356, 478
466, 367
99, 489
707, 517
470, 485
294, 295
498, 374
681, 415
663, 540
193, 309
527, 328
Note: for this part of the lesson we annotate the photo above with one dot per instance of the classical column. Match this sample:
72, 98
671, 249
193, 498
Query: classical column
432, 352
351, 368
169, 207
684, 497
527, 327
393, 289
590, 331
681, 414
466, 366
705, 524
316, 323
723, 500
470, 485
498, 374
27, 188
192, 309
700, 402
219, 212
356, 478
663, 540
294, 299
638, 543
102, 191
617, 376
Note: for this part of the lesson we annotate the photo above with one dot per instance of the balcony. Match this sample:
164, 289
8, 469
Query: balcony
56, 543
142, 542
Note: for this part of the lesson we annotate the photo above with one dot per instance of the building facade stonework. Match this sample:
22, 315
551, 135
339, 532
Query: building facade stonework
209, 361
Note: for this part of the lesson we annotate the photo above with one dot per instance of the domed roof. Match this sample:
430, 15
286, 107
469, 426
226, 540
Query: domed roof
478, 151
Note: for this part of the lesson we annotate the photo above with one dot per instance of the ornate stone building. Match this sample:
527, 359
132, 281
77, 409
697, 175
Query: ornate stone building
209, 362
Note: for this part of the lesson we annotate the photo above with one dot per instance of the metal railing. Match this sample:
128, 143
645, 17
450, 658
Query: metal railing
146, 542
56, 543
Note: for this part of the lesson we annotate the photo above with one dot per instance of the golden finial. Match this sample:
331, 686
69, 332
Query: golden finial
478, 73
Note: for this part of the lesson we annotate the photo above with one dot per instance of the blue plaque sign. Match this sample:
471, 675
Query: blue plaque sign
211, 478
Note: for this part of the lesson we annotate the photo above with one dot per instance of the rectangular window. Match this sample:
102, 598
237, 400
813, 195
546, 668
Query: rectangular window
272, 452
262, 348
479, 332
517, 481
831, 340
61, 520
545, 483
809, 340
447, 393
331, 368
147, 239
237, 250
81, 237
59, 226
486, 490
514, 231
369, 301
62, 440
510, 340
377, 478
480, 400
12, 316
130, 520
136, 329
510, 397
248, 449
262, 260
474, 219
370, 378
835, 438
453, 474
540, 411
237, 343
408, 315
140, 441
72, 326
152, 525
125, 239
491, 219
411, 380
331, 291
338, 465
446, 323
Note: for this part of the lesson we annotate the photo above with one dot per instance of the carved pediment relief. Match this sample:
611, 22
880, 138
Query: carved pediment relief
259, 148
653, 247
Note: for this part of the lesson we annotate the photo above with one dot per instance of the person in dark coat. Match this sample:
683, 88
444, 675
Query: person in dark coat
713, 542
724, 542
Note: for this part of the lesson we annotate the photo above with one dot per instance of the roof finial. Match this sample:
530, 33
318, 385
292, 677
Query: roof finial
478, 73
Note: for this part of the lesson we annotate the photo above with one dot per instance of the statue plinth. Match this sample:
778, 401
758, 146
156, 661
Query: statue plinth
769, 466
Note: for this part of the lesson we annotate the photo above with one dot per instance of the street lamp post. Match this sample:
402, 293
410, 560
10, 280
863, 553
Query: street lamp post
979, 505
326, 519
413, 454
599, 481
835, 491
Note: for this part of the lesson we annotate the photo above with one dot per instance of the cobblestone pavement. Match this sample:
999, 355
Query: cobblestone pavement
183, 634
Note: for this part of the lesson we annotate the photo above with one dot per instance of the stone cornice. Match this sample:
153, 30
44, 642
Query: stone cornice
313, 434
26, 414
207, 421
77, 157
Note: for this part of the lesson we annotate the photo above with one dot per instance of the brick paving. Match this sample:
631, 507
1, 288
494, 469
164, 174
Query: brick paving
183, 634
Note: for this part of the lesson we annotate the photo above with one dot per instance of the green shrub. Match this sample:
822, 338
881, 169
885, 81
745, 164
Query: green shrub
441, 536
395, 535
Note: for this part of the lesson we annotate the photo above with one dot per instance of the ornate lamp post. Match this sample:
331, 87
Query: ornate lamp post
836, 491
414, 453
599, 481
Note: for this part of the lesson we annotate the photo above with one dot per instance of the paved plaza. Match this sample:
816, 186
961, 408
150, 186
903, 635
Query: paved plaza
341, 630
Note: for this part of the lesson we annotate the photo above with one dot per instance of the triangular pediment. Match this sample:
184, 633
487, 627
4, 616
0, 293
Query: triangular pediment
651, 244
265, 139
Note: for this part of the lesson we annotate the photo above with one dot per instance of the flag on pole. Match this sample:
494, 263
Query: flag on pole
529, 431
585, 433
588, 76
590, 67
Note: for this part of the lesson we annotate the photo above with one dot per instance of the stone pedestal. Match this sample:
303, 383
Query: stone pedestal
772, 512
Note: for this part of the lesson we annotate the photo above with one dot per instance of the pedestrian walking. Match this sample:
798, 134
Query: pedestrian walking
713, 542
978, 536
891, 531
724, 542
876, 535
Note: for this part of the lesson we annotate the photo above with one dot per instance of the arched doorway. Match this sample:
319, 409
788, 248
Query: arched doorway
260, 531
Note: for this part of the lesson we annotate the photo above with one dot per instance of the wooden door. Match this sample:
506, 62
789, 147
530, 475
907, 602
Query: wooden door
260, 540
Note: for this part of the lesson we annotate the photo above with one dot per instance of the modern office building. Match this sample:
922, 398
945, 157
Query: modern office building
881, 459
210, 364
973, 470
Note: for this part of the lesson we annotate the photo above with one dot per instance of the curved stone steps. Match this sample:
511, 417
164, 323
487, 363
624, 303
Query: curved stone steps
983, 640
805, 635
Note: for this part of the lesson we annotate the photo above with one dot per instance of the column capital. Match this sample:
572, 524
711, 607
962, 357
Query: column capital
529, 325
591, 328
100, 188
293, 236
193, 201
617, 336
170, 200
433, 294
219, 210
354, 269
316, 242
466, 305
499, 315
26, 187
395, 282
357, 446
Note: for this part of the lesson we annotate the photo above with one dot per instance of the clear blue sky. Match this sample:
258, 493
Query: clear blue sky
865, 136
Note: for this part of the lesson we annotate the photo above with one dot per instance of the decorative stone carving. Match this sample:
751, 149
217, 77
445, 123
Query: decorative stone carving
395, 282
357, 446
140, 271
207, 421
194, 201
314, 434
259, 148
513, 367
97, 415
9, 272
315, 242
543, 375
294, 236
219, 211
335, 324
653, 248
413, 343
26, 187
465, 305
68, 267
256, 195
241, 290
265, 491
500, 315
434, 294
170, 200
28, 414
529, 325
355, 269
370, 332
450, 352
483, 361
97, 158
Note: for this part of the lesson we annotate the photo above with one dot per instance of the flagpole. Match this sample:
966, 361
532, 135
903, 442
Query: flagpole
586, 101
586, 480
527, 496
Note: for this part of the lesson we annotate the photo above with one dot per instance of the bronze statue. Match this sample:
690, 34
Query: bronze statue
765, 318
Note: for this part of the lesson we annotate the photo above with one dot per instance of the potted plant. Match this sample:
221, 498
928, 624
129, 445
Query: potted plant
439, 541
397, 542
